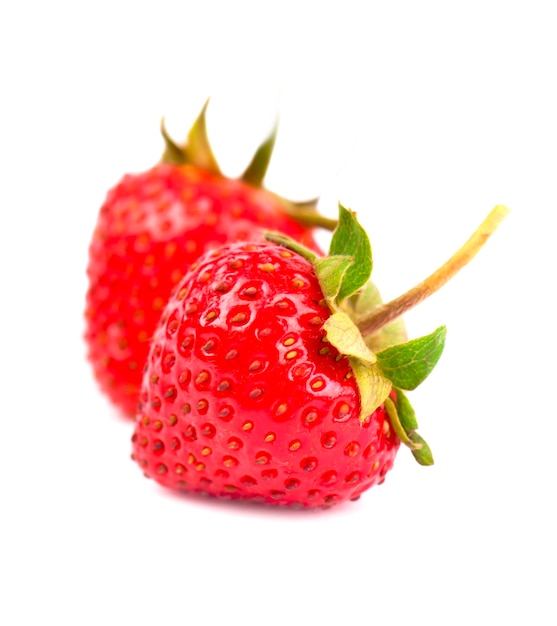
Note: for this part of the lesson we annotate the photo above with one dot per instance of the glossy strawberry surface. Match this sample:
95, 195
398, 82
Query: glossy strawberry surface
150, 229
242, 396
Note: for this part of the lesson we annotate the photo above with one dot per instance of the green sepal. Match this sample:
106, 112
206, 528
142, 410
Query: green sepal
345, 336
173, 154
410, 438
350, 239
405, 411
421, 450
394, 419
292, 244
257, 169
361, 304
364, 301
330, 271
409, 364
374, 388
198, 149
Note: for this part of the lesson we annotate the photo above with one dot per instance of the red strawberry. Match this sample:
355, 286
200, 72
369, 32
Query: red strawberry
151, 227
260, 386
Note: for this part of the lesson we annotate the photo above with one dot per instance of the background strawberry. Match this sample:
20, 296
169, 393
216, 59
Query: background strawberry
151, 227
259, 384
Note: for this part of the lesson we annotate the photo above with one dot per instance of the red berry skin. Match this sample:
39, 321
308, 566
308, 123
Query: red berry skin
242, 398
150, 229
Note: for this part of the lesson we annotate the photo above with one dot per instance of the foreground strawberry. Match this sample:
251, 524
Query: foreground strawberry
277, 375
152, 226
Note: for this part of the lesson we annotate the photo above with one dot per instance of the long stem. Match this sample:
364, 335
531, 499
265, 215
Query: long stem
389, 311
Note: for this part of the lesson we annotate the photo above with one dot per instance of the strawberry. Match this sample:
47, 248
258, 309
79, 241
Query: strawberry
277, 376
151, 228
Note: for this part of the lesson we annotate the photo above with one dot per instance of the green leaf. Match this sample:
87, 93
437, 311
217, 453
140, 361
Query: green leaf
409, 364
345, 336
330, 271
421, 451
405, 411
373, 387
256, 170
350, 239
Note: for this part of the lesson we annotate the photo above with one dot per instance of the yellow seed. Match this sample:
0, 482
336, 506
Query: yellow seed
170, 249
175, 276
292, 354
267, 267
294, 445
200, 467
142, 336
239, 318
247, 426
202, 377
270, 437
386, 427
289, 341
317, 384
206, 451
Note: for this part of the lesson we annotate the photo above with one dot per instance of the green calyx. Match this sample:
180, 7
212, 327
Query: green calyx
370, 333
197, 151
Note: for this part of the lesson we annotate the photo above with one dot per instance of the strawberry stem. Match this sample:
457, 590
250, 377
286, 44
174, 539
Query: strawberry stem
390, 311
306, 213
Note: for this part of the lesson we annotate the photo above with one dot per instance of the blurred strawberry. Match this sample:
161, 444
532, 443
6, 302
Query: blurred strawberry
152, 227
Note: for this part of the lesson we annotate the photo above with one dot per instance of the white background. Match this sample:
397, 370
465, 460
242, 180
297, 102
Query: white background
421, 116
